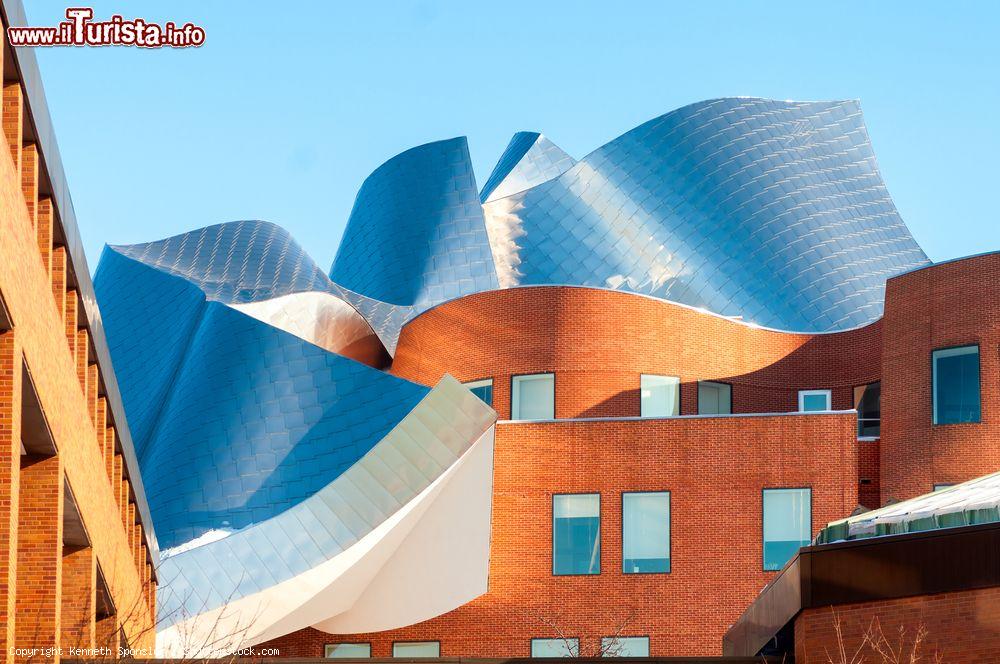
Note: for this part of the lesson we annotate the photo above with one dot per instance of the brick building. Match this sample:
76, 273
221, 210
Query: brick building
597, 344
698, 345
77, 550
915, 580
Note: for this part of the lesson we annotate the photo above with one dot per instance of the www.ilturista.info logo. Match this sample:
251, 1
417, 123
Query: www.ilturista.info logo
80, 30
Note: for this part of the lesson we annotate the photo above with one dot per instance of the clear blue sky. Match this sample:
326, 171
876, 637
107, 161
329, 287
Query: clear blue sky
289, 106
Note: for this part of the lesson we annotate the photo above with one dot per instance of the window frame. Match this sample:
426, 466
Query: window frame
513, 378
670, 531
600, 532
854, 391
763, 564
481, 382
809, 393
979, 361
697, 396
626, 636
394, 643
679, 395
346, 643
531, 643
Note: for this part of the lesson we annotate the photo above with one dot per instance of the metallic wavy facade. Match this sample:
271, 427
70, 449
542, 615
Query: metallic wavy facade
773, 211
287, 472
416, 235
279, 466
529, 160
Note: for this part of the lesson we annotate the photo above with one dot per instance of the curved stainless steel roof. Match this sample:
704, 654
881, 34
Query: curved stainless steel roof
416, 235
244, 419
529, 160
770, 210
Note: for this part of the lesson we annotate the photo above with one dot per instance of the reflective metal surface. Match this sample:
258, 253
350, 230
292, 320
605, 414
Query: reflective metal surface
770, 210
416, 235
237, 419
529, 160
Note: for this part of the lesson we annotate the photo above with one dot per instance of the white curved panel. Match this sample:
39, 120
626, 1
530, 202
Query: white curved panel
322, 319
340, 553
399, 574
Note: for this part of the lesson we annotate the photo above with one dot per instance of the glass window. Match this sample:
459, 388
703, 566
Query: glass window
533, 397
555, 647
868, 403
714, 398
814, 400
787, 524
659, 396
482, 389
646, 532
351, 650
956, 385
576, 534
625, 646
942, 487
416, 649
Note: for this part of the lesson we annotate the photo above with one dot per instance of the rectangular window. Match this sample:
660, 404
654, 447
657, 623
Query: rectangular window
955, 374
482, 389
416, 649
646, 533
814, 400
659, 396
347, 650
555, 647
533, 397
868, 403
576, 534
625, 646
942, 487
787, 524
714, 398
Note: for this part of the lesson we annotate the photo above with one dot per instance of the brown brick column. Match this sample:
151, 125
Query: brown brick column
10, 463
12, 121
39, 553
79, 598
44, 223
29, 181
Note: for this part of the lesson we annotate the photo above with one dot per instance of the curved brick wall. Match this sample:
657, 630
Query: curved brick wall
951, 304
598, 342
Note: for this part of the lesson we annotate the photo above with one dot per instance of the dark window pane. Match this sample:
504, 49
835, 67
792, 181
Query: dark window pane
956, 385
484, 392
868, 402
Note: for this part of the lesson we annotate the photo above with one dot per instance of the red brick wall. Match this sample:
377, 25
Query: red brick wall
715, 469
598, 343
961, 627
951, 304
869, 475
